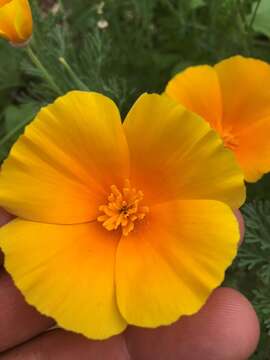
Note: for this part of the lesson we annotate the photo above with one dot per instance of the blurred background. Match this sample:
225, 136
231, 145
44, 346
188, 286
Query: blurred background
123, 48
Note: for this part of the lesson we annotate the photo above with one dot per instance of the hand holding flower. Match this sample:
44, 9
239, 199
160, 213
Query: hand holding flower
225, 329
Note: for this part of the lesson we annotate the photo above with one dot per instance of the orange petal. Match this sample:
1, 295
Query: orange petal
232, 98
245, 97
59, 171
197, 88
168, 266
4, 2
176, 155
66, 272
253, 151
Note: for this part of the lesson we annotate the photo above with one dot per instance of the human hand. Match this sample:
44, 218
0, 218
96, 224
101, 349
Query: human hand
226, 328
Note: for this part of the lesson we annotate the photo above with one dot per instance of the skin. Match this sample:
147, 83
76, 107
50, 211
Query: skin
226, 328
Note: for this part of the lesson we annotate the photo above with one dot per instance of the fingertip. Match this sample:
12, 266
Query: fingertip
241, 223
226, 328
233, 323
18, 320
5, 217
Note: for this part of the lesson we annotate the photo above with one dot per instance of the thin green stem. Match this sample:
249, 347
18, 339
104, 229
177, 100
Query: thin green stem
9, 135
61, 5
243, 25
43, 70
62, 9
171, 9
79, 84
254, 15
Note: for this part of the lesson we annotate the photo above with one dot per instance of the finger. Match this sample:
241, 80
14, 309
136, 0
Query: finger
60, 344
241, 222
4, 218
92, 344
18, 321
225, 329
214, 333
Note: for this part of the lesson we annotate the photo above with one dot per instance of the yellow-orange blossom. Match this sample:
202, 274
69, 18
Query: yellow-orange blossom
119, 223
233, 98
15, 21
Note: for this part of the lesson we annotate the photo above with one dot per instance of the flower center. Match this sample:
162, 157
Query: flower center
229, 140
123, 209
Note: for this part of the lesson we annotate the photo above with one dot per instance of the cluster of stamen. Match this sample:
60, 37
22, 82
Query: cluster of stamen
123, 209
229, 140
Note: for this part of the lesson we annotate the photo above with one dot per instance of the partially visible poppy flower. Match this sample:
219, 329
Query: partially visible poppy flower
119, 224
15, 21
234, 98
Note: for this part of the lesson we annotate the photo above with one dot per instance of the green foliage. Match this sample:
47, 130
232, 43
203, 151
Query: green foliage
251, 270
14, 118
124, 48
261, 22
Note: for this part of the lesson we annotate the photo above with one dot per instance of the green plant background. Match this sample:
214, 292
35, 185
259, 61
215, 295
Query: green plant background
143, 44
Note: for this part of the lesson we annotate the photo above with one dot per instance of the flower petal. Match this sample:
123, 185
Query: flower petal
253, 151
245, 98
60, 170
23, 21
180, 156
66, 272
4, 2
197, 88
168, 267
16, 20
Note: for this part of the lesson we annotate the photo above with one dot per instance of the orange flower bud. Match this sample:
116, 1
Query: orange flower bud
15, 21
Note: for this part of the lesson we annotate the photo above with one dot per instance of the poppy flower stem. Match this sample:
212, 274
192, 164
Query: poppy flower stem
43, 70
79, 84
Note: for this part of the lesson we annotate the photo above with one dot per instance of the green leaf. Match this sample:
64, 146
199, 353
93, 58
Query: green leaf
15, 119
194, 4
261, 22
260, 189
16, 115
10, 75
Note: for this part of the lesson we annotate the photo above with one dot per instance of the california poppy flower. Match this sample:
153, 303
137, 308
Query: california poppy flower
233, 97
15, 21
119, 223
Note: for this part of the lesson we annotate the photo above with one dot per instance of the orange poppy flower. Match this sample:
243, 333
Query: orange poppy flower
233, 98
15, 21
119, 223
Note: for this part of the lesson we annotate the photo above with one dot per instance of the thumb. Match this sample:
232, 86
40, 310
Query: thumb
4, 219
